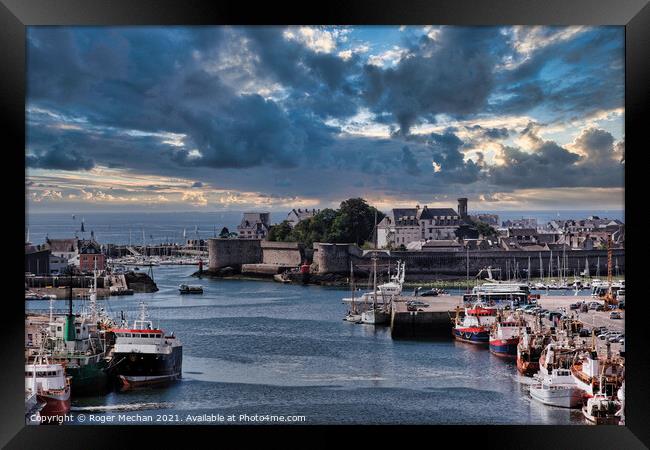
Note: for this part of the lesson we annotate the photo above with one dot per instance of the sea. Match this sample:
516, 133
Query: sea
259, 352
255, 351
151, 228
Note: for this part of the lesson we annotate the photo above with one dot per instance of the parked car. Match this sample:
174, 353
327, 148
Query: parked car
416, 303
584, 332
614, 338
615, 315
621, 305
429, 293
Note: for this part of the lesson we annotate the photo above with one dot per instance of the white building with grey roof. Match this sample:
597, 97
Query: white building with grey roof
402, 226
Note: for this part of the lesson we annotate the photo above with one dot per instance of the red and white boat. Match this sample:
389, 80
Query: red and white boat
504, 337
595, 374
475, 326
51, 386
529, 350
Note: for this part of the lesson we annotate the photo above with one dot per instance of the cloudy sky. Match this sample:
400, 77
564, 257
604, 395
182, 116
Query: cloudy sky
232, 118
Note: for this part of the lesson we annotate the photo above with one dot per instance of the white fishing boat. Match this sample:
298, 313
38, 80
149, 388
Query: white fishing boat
602, 410
557, 389
591, 373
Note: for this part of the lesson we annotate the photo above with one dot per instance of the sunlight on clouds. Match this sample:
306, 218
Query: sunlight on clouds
314, 38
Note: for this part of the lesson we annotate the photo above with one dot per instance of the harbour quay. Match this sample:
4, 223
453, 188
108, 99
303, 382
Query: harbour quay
431, 316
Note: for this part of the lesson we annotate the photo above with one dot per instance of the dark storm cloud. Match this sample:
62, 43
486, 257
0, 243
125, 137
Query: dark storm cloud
123, 92
409, 162
551, 165
452, 75
60, 158
490, 133
570, 78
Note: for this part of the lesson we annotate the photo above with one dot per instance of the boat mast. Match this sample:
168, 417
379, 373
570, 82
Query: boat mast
354, 309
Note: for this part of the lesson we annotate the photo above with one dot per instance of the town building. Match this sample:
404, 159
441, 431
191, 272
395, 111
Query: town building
58, 264
65, 248
254, 225
402, 226
520, 223
37, 260
91, 256
298, 215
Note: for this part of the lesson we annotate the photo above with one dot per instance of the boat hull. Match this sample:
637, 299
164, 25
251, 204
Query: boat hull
375, 317
477, 336
602, 420
527, 368
148, 369
55, 405
560, 396
506, 348
89, 379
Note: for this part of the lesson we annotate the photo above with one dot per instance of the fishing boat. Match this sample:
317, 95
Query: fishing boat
190, 289
33, 408
50, 384
504, 337
602, 409
145, 355
621, 398
474, 326
80, 342
595, 374
557, 388
529, 350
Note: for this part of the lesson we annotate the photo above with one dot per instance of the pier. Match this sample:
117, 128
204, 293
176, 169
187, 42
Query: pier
427, 321
434, 320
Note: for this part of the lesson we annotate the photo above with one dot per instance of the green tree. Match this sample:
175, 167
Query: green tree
225, 233
280, 232
314, 229
485, 229
355, 222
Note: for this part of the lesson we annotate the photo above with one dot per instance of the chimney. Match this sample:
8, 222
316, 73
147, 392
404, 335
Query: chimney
462, 208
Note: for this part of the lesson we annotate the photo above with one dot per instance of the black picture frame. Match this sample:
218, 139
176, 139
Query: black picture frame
15, 15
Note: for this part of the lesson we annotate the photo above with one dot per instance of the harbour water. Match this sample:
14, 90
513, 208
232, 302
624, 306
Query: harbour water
258, 348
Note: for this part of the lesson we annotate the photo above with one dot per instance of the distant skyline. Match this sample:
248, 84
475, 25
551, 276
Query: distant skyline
240, 118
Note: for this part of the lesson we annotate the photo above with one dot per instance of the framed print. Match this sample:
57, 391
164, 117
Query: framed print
379, 217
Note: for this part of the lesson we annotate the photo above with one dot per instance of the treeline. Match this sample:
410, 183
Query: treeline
353, 222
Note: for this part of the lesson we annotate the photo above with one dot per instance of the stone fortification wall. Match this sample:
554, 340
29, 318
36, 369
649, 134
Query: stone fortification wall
335, 258
290, 254
233, 252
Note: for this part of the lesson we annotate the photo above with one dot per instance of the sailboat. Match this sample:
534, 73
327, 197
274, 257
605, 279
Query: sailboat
377, 315
353, 314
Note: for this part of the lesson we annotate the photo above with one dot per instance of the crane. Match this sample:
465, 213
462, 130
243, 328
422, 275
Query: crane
610, 299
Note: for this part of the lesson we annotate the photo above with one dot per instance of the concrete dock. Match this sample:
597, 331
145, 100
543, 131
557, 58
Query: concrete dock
434, 319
